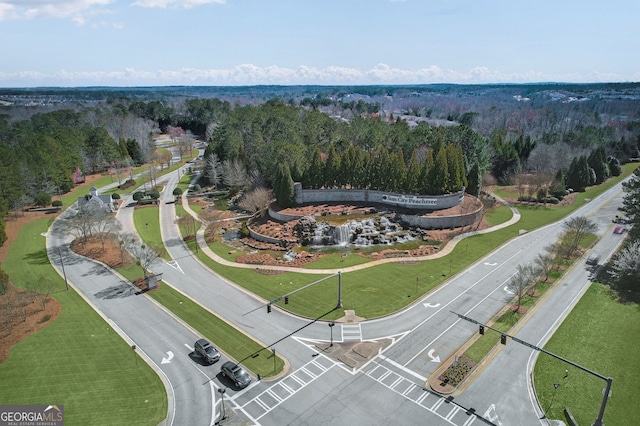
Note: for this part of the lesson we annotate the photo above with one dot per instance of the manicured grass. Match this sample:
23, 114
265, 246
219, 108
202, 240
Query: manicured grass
602, 335
184, 182
337, 261
498, 215
146, 220
196, 208
223, 250
77, 360
229, 339
389, 287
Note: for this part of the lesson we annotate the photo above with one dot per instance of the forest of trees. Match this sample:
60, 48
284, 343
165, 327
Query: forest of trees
420, 139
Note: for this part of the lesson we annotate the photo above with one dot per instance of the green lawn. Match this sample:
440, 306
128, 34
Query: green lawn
498, 215
146, 220
389, 287
77, 360
602, 335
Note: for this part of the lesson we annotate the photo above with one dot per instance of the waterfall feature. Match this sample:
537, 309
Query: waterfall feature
364, 232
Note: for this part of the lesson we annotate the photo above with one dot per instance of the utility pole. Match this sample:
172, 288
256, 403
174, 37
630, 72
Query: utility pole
339, 305
66, 283
608, 380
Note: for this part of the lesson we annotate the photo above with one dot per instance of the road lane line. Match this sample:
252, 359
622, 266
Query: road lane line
458, 320
403, 368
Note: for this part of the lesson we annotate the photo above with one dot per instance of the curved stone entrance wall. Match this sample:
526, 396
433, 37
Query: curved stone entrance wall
415, 202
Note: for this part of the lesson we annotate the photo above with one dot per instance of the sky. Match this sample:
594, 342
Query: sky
76, 43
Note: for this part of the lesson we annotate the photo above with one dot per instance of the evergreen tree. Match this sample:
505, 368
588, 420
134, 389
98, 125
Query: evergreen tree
474, 181
396, 172
331, 168
283, 187
598, 162
124, 151
614, 166
631, 203
361, 170
439, 173
135, 152
425, 185
314, 175
578, 176
455, 162
412, 177
347, 163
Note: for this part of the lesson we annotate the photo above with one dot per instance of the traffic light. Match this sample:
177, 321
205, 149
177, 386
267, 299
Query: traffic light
481, 329
503, 339
286, 300
269, 308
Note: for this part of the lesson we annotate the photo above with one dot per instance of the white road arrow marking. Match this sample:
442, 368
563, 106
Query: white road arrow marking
168, 359
429, 305
491, 415
433, 359
507, 290
175, 265
490, 264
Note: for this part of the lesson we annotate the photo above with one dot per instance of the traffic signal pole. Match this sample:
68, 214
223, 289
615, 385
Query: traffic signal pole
608, 380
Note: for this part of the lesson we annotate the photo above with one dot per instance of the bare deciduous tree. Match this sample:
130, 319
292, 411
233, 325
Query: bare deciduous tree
234, 174
212, 169
185, 145
7, 308
81, 224
544, 261
189, 223
520, 282
126, 240
145, 256
106, 224
255, 200
575, 230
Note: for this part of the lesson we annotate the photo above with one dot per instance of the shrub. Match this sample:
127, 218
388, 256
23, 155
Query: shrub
115, 196
57, 203
551, 200
244, 232
42, 199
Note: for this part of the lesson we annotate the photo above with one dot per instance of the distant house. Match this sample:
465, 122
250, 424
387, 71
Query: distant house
102, 201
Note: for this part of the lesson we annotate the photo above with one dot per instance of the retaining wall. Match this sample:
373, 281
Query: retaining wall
416, 202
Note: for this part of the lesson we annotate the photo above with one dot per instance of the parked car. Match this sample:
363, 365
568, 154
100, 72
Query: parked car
207, 351
236, 373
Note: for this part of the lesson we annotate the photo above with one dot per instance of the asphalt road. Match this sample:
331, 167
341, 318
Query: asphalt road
386, 386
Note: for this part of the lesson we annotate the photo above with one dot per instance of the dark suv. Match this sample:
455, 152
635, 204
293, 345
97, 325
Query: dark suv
206, 351
236, 373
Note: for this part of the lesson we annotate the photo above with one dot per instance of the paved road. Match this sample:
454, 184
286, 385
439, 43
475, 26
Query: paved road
163, 342
397, 353
420, 338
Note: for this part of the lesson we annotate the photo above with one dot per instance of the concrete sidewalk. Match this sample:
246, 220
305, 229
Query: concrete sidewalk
441, 253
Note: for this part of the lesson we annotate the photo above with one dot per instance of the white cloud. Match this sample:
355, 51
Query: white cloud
76, 10
175, 4
249, 74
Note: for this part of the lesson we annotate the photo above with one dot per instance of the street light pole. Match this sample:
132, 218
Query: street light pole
223, 411
331, 324
66, 283
339, 305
